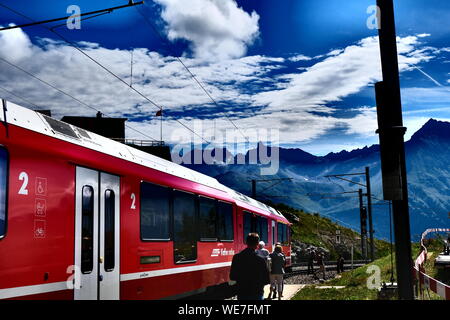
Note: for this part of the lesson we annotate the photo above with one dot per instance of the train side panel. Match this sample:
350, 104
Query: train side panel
38, 245
163, 278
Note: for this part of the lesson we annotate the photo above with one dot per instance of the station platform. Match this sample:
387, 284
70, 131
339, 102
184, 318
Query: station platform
289, 291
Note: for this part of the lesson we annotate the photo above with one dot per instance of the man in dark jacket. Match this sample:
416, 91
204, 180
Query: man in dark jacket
249, 271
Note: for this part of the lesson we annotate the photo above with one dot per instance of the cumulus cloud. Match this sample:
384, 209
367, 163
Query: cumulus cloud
343, 73
299, 57
163, 79
216, 29
365, 123
289, 102
15, 44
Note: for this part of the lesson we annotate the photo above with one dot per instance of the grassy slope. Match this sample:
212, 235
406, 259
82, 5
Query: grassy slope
355, 283
320, 231
435, 247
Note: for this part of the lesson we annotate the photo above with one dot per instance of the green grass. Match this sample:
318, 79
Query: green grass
435, 246
351, 293
318, 230
355, 283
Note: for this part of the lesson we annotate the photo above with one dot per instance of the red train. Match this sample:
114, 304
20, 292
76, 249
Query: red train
85, 217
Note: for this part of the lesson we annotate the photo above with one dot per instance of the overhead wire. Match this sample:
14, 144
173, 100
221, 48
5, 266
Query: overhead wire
20, 97
74, 45
189, 71
66, 94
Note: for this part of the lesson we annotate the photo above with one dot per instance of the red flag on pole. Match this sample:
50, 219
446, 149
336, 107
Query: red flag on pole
159, 113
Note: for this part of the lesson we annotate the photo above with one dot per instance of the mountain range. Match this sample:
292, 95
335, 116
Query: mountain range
428, 174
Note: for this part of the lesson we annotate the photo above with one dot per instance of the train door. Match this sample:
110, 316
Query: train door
97, 238
274, 239
239, 228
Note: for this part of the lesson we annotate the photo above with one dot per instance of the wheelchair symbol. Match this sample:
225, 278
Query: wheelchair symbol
41, 186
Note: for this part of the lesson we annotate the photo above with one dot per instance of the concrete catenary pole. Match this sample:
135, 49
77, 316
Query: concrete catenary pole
369, 213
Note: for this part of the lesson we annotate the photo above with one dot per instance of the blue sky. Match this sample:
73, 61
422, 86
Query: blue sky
304, 69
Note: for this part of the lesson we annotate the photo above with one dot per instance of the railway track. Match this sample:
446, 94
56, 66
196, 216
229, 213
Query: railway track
302, 268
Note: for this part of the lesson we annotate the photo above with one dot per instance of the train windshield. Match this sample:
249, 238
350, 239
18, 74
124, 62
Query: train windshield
3, 189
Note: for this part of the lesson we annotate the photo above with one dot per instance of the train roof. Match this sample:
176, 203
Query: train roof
35, 121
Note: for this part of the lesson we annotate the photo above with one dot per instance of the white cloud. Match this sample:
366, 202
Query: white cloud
216, 29
300, 57
15, 44
365, 123
335, 52
162, 79
434, 96
288, 108
339, 76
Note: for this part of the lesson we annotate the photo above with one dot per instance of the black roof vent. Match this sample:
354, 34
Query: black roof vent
61, 127
83, 133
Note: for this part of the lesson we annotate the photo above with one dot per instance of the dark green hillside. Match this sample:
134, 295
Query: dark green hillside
319, 231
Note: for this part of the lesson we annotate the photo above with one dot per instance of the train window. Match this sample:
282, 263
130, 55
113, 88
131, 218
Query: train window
282, 233
279, 232
3, 190
110, 201
288, 234
261, 228
184, 227
207, 217
248, 224
87, 230
225, 221
155, 209
255, 223
273, 232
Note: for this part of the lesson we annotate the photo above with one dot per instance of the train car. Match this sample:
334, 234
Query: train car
85, 217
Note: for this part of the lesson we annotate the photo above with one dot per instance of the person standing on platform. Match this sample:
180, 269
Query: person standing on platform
278, 261
249, 271
321, 264
263, 253
311, 256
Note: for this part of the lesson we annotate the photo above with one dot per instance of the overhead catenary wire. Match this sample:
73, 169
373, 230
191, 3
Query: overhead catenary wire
190, 72
20, 97
74, 45
108, 10
66, 94
96, 16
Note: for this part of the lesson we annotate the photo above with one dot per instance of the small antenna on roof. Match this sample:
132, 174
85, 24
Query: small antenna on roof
5, 123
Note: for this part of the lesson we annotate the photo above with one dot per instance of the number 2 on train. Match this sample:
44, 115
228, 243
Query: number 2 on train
23, 176
133, 201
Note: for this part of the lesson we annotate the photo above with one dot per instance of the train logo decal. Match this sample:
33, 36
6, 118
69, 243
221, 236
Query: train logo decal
222, 252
